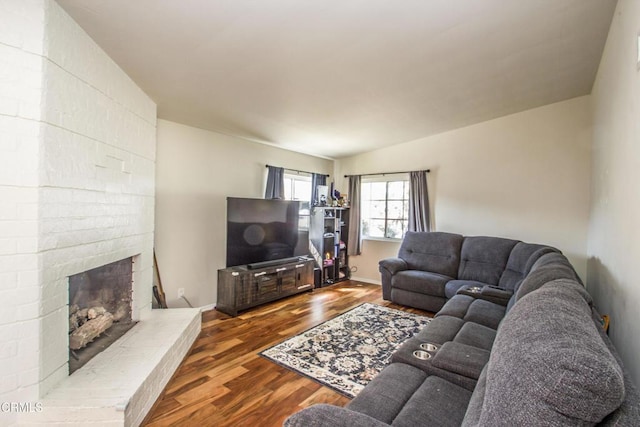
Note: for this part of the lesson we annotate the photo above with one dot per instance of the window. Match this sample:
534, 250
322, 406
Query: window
298, 187
385, 207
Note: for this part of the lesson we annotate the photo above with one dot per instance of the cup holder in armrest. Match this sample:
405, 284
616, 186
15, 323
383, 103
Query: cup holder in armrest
471, 290
430, 347
489, 293
421, 354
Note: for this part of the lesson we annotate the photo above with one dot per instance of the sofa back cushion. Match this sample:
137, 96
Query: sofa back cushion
549, 365
521, 259
555, 258
549, 267
435, 252
484, 258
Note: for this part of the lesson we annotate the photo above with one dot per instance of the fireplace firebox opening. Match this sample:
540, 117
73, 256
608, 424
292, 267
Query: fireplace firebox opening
99, 310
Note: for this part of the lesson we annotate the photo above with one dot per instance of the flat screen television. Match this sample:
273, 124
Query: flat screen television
262, 230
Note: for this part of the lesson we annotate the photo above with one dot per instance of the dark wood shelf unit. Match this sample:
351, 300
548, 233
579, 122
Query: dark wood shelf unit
328, 239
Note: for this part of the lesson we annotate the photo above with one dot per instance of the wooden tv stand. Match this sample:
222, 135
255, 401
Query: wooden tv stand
240, 288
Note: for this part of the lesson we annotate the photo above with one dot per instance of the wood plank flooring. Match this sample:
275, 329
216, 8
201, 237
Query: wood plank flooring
224, 382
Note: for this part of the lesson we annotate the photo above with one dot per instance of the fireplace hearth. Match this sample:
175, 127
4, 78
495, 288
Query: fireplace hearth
99, 310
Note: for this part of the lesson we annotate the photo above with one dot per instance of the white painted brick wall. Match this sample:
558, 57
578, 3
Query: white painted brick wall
77, 180
97, 175
21, 65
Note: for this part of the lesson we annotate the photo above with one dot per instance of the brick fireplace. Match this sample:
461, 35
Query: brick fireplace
77, 181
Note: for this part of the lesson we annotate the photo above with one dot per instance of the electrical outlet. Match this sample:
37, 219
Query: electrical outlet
180, 292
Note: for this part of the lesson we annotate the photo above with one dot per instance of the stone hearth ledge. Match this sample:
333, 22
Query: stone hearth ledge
119, 386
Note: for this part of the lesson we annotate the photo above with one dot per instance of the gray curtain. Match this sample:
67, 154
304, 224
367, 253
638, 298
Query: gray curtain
275, 183
316, 179
419, 215
354, 246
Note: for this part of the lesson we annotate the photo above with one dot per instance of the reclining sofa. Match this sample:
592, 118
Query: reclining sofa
432, 267
520, 345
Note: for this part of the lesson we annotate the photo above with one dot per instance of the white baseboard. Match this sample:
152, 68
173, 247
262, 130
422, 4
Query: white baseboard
362, 279
208, 307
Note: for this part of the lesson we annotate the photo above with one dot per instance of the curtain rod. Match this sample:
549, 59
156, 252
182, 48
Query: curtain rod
385, 173
299, 171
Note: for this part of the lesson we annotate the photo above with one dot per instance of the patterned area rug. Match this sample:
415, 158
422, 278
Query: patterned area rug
346, 352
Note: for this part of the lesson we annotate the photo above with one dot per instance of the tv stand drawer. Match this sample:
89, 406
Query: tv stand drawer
265, 285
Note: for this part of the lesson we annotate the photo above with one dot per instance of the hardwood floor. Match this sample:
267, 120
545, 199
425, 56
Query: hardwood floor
224, 382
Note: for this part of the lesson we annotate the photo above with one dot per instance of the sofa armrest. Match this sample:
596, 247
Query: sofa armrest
461, 359
323, 415
388, 267
393, 265
489, 293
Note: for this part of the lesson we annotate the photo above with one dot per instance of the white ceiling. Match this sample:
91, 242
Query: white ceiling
340, 77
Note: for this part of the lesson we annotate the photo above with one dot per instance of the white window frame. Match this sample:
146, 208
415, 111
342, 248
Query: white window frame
292, 177
387, 179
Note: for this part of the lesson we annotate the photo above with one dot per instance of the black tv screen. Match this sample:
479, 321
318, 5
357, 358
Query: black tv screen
260, 230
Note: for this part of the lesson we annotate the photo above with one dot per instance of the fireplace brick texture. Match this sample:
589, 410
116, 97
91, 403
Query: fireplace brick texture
77, 181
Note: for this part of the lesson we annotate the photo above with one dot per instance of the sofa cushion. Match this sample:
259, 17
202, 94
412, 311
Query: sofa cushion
475, 310
419, 300
421, 400
323, 415
476, 335
549, 365
521, 259
432, 251
456, 306
555, 259
484, 258
436, 402
485, 313
550, 267
550, 258
441, 329
423, 282
385, 396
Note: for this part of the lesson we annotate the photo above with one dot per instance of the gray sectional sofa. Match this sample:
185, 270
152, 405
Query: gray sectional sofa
517, 344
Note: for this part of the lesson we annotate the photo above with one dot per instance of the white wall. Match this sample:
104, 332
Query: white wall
196, 171
523, 176
77, 181
614, 232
